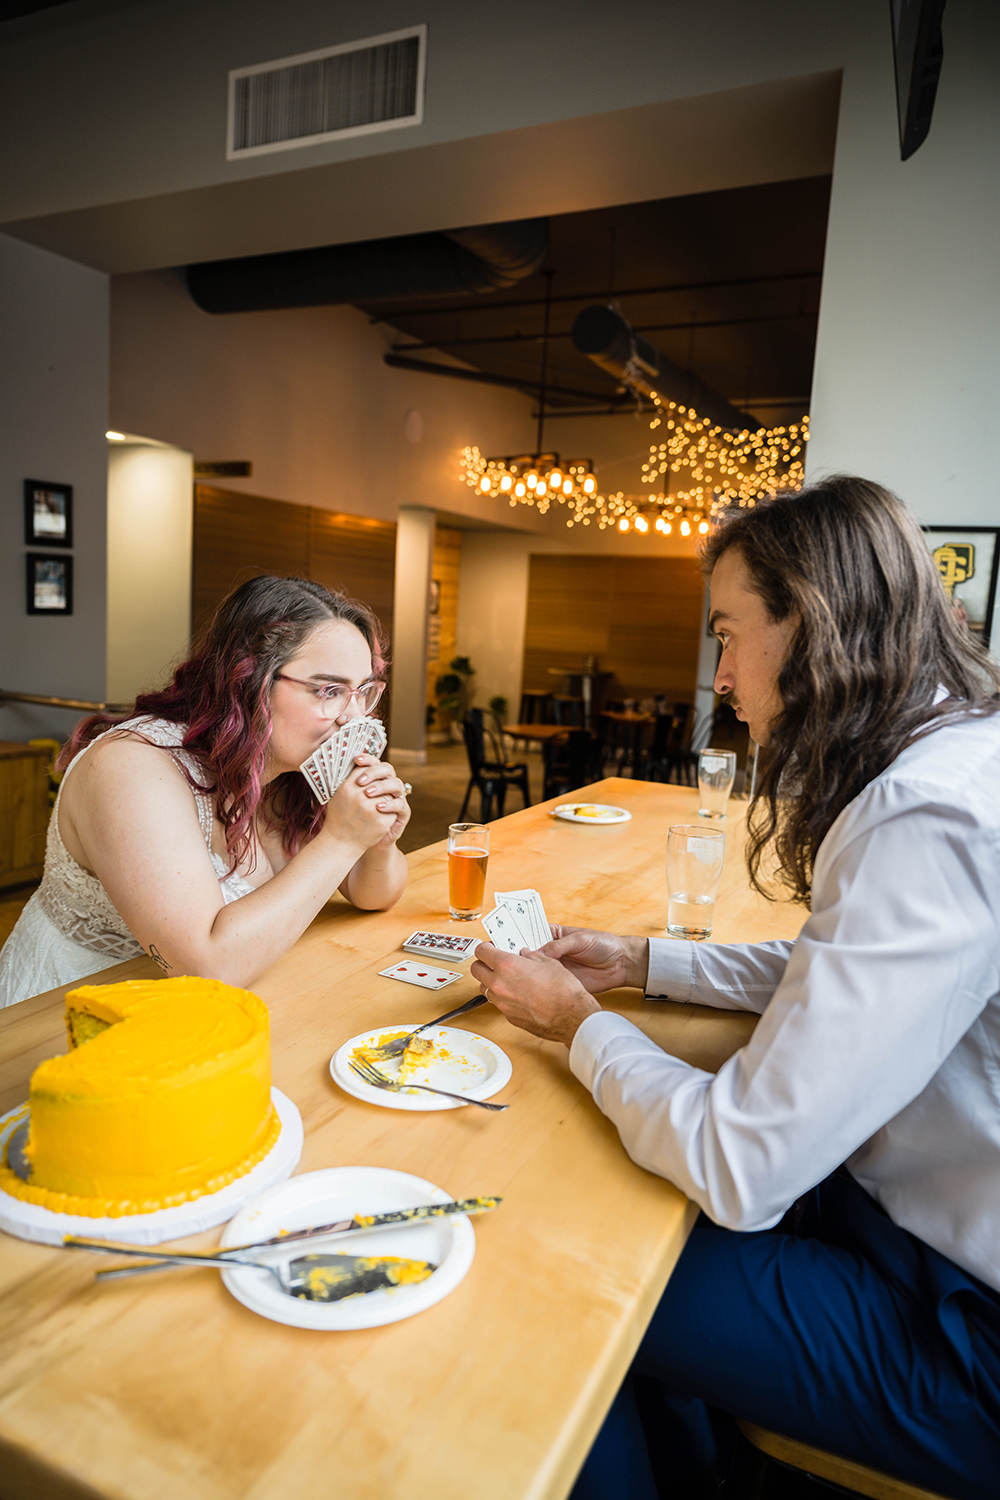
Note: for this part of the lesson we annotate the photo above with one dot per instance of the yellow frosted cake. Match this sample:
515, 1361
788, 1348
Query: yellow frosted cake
164, 1095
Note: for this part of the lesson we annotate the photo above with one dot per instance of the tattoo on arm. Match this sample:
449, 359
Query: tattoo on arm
158, 958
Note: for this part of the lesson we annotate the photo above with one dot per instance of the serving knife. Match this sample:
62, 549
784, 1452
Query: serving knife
155, 1258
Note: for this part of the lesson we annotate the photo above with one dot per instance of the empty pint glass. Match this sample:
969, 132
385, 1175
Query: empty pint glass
468, 851
716, 773
695, 856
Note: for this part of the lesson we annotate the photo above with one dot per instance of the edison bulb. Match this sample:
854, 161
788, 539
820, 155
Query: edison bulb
685, 528
505, 482
540, 488
555, 478
531, 479
484, 484
519, 488
623, 524
641, 524
589, 485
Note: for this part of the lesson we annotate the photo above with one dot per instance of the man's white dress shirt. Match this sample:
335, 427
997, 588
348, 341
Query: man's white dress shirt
879, 1038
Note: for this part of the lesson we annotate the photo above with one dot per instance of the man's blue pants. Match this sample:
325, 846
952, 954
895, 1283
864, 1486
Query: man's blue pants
837, 1328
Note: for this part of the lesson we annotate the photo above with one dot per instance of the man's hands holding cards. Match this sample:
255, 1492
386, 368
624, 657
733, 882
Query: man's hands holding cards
532, 989
534, 992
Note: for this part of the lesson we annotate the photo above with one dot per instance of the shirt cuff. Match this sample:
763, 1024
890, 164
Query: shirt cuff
591, 1036
671, 969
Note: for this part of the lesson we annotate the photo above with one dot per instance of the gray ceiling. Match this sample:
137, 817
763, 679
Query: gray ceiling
726, 284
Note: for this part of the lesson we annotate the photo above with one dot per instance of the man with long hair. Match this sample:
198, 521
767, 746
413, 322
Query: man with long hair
843, 1283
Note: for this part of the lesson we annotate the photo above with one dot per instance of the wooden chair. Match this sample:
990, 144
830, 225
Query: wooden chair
491, 775
852, 1477
532, 703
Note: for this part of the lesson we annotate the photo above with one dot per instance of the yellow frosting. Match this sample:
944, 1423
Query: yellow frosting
165, 1095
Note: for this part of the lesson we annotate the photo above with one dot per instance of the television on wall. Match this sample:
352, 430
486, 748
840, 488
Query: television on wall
918, 49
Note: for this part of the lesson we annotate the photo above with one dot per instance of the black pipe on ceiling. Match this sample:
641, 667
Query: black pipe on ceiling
485, 258
605, 337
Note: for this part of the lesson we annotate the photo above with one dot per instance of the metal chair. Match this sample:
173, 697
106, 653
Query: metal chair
570, 761
671, 748
853, 1478
491, 776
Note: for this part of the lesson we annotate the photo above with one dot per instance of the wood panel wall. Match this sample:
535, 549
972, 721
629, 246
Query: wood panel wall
443, 632
241, 536
640, 617
237, 537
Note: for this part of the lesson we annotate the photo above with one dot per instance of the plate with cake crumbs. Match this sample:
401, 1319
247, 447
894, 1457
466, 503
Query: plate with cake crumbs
333, 1193
591, 812
442, 1057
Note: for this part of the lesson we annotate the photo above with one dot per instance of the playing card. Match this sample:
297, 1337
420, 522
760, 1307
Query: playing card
504, 930
530, 913
427, 976
441, 945
333, 762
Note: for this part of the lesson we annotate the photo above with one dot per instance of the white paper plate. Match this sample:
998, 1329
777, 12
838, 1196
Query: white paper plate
29, 1221
598, 813
477, 1067
340, 1193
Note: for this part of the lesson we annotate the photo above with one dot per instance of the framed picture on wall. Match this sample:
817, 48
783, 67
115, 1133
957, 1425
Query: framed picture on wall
966, 558
50, 583
48, 514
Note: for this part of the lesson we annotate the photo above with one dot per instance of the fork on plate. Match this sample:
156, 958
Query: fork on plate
379, 1081
398, 1045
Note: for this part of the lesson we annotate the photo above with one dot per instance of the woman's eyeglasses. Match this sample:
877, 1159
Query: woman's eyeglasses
335, 696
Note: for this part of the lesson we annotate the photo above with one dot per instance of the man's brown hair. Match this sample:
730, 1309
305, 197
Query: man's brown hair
876, 635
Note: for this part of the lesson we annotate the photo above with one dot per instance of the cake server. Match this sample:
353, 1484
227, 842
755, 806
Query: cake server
316, 1278
17, 1157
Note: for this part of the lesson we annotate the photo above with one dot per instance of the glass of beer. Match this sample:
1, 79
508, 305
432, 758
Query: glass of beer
468, 851
695, 856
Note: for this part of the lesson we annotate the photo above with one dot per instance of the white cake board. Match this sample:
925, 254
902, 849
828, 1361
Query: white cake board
29, 1221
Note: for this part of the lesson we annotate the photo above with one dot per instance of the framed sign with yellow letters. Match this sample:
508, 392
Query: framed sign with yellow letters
966, 558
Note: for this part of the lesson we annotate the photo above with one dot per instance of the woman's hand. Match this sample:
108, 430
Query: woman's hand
534, 992
369, 809
381, 782
600, 960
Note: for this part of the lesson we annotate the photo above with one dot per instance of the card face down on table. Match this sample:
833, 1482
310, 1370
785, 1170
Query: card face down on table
441, 945
517, 921
328, 766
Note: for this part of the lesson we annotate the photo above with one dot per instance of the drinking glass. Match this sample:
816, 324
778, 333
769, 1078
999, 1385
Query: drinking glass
695, 856
716, 773
468, 851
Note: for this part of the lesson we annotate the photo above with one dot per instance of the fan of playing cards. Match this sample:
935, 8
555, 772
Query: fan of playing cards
328, 766
517, 921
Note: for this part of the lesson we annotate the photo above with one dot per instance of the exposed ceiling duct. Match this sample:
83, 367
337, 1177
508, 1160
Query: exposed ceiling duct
482, 259
605, 337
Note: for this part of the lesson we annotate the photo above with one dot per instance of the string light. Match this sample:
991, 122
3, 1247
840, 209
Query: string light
717, 468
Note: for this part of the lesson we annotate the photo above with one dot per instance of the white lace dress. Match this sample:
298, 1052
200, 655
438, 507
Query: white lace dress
69, 928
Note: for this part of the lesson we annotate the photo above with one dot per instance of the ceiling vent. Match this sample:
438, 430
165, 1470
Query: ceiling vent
354, 89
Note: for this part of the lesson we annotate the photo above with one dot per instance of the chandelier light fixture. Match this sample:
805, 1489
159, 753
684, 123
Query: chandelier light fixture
718, 468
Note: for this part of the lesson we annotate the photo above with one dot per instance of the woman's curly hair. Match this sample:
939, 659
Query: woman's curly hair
875, 637
222, 694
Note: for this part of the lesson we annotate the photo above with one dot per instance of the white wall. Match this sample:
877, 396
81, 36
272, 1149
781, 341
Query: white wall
305, 396
150, 512
907, 376
53, 416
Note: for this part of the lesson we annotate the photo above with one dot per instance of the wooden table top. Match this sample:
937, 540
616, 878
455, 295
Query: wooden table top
541, 732
164, 1386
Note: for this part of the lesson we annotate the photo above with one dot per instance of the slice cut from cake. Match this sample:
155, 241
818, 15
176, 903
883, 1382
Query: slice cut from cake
164, 1096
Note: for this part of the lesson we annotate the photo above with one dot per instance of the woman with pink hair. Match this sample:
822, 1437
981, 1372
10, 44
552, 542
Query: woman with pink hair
186, 830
